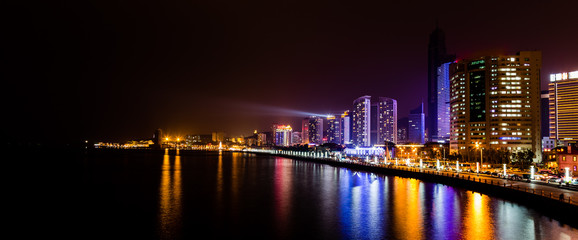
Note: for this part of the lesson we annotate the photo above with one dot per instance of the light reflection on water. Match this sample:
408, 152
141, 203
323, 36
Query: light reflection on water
170, 209
477, 217
298, 199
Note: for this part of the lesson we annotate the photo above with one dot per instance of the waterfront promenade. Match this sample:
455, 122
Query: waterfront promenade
483, 182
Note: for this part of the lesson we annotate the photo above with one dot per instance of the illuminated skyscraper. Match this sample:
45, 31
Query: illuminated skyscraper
563, 106
305, 131
437, 56
283, 135
386, 120
442, 129
312, 130
296, 139
373, 114
361, 121
334, 129
416, 125
345, 128
495, 102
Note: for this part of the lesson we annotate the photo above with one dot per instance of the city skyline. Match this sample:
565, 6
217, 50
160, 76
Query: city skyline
116, 73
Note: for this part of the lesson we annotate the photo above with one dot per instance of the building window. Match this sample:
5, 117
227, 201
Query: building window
574, 158
564, 158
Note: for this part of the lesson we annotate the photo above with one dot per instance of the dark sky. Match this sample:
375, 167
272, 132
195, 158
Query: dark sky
116, 70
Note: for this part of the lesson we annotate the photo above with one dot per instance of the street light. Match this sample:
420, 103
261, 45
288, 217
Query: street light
420, 164
477, 169
481, 153
444, 150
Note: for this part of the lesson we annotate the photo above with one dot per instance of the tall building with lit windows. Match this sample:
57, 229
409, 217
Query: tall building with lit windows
386, 120
495, 102
361, 125
345, 128
312, 130
283, 135
334, 129
305, 131
563, 106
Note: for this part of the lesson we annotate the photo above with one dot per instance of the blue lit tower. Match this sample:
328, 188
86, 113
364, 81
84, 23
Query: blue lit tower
436, 57
361, 121
416, 125
345, 128
442, 129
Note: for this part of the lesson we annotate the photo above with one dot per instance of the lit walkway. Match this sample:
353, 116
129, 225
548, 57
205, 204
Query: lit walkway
535, 187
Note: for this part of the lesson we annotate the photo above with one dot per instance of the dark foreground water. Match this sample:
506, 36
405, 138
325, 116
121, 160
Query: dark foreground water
207, 195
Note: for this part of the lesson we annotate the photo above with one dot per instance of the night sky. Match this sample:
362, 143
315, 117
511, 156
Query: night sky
117, 70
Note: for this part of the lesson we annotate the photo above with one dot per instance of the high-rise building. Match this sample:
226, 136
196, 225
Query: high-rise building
296, 139
373, 114
345, 129
495, 103
262, 139
563, 107
305, 131
312, 130
544, 115
416, 125
334, 129
361, 125
386, 120
441, 132
374, 122
437, 56
283, 135
402, 130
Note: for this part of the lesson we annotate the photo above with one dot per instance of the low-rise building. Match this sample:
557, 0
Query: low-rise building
567, 157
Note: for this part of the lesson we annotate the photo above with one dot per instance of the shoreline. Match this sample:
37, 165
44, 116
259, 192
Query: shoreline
552, 207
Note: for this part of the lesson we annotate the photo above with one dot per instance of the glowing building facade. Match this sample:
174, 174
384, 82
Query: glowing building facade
386, 120
305, 131
495, 102
312, 130
345, 129
334, 129
563, 107
441, 132
361, 125
283, 135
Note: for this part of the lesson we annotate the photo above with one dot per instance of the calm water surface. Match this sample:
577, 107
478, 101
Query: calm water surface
239, 195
